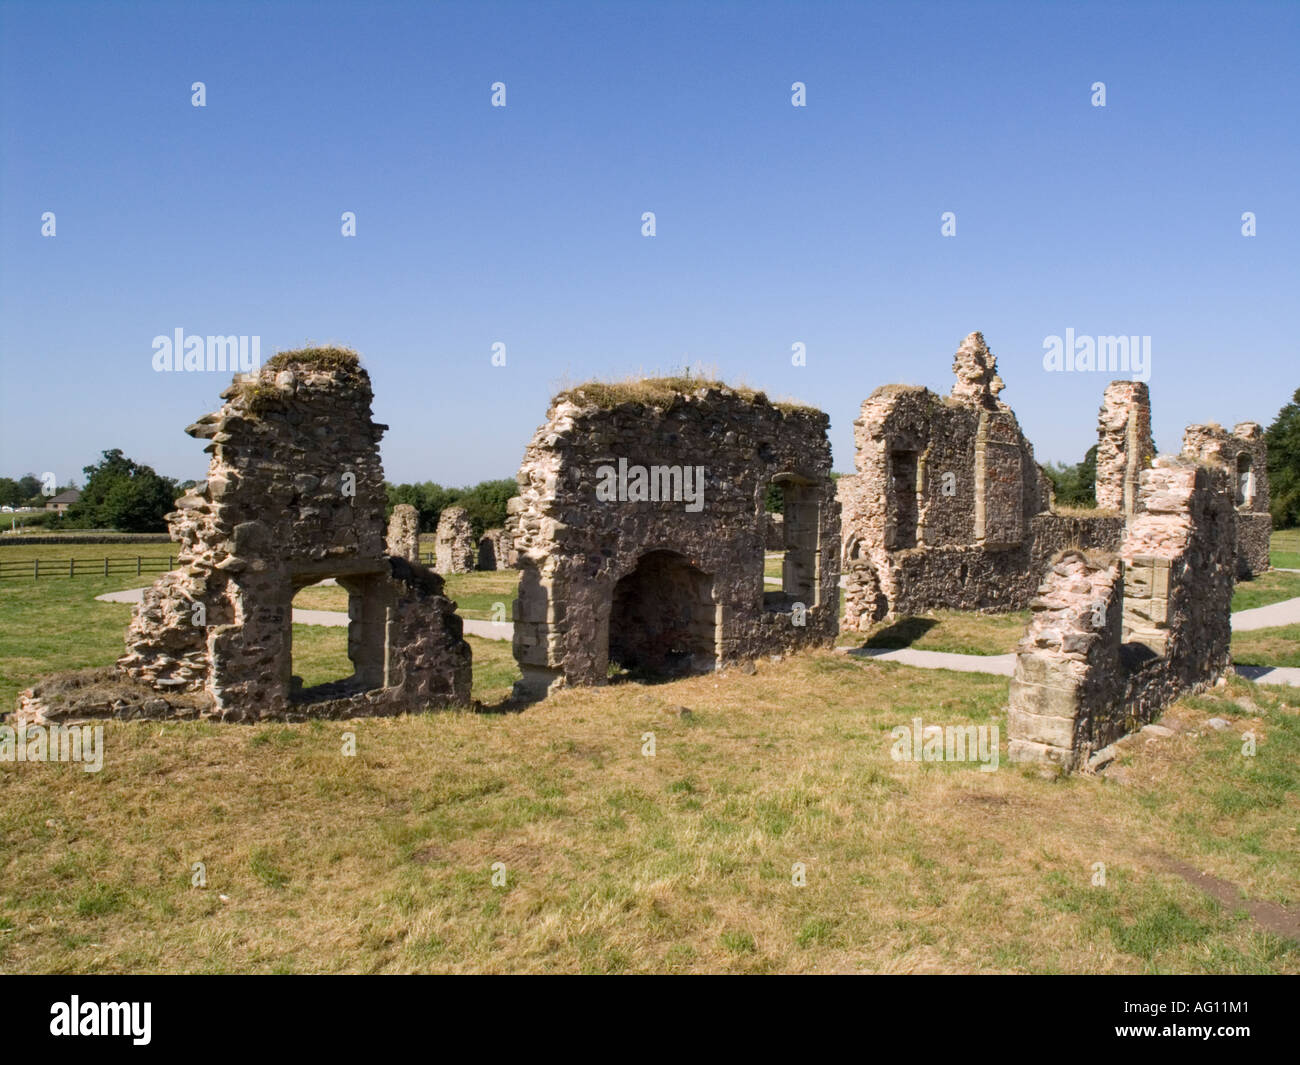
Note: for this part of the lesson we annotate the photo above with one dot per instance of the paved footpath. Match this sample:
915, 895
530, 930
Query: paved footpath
1284, 613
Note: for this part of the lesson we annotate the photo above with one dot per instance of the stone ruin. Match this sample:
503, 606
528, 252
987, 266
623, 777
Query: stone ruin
294, 495
775, 538
1244, 453
1124, 444
1116, 637
947, 507
453, 546
641, 527
495, 551
403, 540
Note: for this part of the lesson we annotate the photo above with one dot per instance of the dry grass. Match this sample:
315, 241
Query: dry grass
662, 391
615, 861
329, 359
1084, 512
946, 630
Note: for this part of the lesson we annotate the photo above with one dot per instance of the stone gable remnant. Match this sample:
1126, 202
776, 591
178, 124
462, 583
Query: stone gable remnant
948, 507
1116, 637
1124, 444
641, 525
453, 547
294, 495
495, 551
403, 539
1244, 453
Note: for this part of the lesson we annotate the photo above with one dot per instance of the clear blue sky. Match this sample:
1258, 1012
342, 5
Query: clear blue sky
522, 225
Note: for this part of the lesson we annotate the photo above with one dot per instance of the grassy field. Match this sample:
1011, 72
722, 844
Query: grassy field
1284, 548
684, 861
1271, 587
616, 861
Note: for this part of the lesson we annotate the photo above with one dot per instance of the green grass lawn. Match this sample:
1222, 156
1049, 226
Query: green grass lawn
1284, 548
946, 630
618, 862
1271, 587
1278, 646
680, 862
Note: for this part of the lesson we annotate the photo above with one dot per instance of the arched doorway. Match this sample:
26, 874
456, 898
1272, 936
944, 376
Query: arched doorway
663, 619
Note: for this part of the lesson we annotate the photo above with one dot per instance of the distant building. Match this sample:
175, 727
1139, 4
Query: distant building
63, 500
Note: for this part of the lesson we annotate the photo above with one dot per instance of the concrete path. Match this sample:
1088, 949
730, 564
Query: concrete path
1286, 612
1001, 665
1270, 674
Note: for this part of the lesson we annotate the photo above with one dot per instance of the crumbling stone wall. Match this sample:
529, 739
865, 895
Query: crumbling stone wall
403, 540
1124, 444
1244, 453
495, 551
669, 584
775, 539
453, 547
1115, 638
948, 507
294, 494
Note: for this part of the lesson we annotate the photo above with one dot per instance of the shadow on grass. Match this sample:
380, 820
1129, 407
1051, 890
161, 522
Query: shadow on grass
902, 633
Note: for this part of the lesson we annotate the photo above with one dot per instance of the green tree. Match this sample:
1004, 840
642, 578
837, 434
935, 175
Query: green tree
1075, 486
485, 503
124, 495
1283, 439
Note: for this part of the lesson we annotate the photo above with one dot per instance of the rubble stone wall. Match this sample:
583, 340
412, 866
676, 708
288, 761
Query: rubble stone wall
403, 540
495, 551
948, 507
1115, 638
453, 547
1124, 444
1244, 453
294, 494
669, 585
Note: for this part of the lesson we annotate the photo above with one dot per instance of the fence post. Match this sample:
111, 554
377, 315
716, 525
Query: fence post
72, 567
105, 565
36, 569
137, 565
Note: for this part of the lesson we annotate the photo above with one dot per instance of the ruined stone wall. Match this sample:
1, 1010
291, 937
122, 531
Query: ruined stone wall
948, 507
1124, 444
1116, 638
669, 585
403, 540
453, 546
495, 551
294, 494
1244, 453
775, 538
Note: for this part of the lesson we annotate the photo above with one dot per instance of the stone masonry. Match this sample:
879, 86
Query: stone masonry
404, 533
1244, 453
948, 507
1115, 638
1124, 444
453, 546
294, 494
641, 527
495, 551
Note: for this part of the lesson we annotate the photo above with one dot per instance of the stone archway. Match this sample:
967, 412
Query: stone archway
663, 618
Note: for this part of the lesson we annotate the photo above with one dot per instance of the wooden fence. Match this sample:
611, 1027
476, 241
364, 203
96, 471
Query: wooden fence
46, 568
